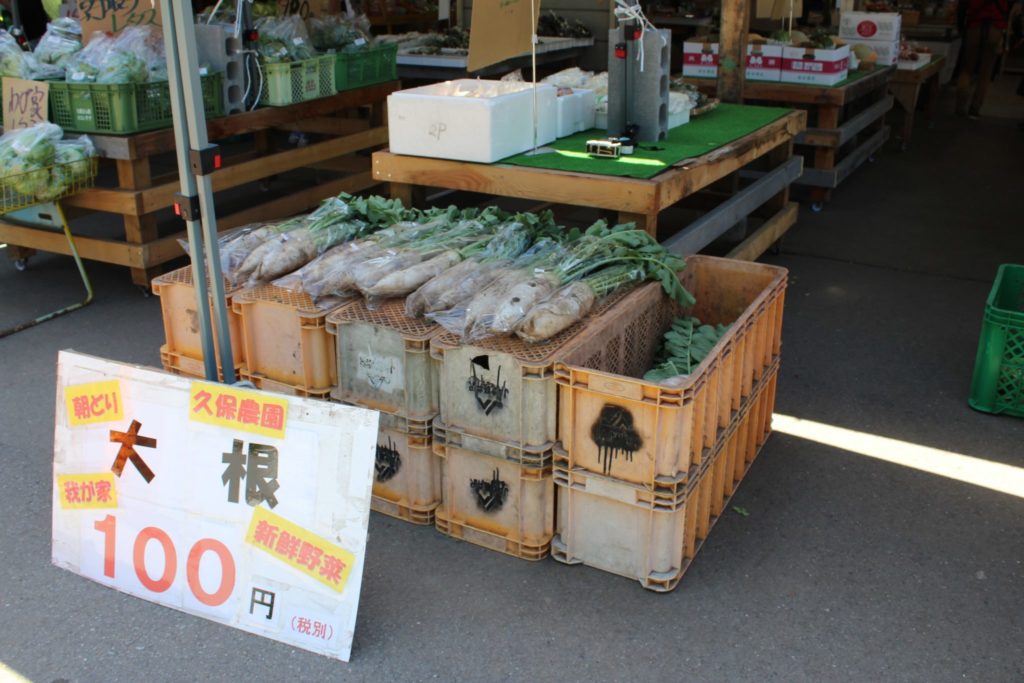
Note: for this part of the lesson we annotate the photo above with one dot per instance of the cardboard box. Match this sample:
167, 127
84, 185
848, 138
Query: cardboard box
764, 62
700, 60
882, 26
888, 51
470, 119
809, 66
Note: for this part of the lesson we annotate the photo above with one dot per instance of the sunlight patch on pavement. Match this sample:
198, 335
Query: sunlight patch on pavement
9, 675
969, 469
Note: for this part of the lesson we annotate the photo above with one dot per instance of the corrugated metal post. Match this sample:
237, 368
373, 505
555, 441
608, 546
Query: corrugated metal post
195, 162
732, 49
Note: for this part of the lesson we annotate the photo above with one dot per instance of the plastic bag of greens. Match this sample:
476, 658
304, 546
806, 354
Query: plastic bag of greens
26, 156
335, 33
284, 39
84, 65
71, 167
12, 57
62, 40
136, 56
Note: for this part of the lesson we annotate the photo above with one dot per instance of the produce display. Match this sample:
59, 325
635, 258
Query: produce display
334, 32
17, 63
38, 164
550, 24
477, 273
290, 39
135, 55
686, 344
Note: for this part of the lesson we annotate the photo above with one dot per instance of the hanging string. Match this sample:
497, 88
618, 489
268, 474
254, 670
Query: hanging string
624, 13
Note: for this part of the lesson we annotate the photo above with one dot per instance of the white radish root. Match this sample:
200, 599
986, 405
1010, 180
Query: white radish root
562, 310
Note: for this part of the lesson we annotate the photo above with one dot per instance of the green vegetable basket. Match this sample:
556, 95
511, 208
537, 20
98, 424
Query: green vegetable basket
365, 67
998, 383
124, 108
46, 184
293, 82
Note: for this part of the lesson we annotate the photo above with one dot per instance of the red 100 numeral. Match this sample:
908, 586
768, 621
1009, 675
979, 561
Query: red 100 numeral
108, 527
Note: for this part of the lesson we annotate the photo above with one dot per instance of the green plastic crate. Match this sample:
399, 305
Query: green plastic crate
365, 67
293, 82
126, 108
998, 382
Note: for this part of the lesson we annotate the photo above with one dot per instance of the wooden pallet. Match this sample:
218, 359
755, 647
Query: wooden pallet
138, 194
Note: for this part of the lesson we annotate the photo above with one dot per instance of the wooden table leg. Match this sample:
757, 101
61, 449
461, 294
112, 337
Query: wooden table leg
410, 195
906, 94
932, 103
134, 174
647, 222
776, 158
825, 157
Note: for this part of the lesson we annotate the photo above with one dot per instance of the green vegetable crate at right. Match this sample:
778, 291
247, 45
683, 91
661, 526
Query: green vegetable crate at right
998, 383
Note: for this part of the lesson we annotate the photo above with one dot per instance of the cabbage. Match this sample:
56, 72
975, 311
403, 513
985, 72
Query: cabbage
123, 67
37, 163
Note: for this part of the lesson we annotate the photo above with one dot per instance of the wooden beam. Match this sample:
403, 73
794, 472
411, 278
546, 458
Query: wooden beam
722, 218
732, 51
837, 137
770, 232
162, 197
558, 187
831, 177
94, 249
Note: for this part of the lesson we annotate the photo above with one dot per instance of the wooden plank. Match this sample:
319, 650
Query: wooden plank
156, 142
770, 232
558, 187
135, 175
837, 137
721, 219
699, 173
232, 176
831, 177
919, 75
167, 248
328, 126
54, 241
735, 17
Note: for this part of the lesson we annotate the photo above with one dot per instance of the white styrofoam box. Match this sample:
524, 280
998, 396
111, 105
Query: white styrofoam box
700, 60
601, 120
575, 112
888, 51
815, 67
470, 120
764, 62
678, 118
869, 26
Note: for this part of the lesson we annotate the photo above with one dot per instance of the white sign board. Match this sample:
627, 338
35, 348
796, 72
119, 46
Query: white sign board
244, 507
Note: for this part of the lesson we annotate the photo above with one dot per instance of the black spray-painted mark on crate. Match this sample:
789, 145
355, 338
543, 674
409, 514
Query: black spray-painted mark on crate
490, 396
389, 460
614, 434
490, 495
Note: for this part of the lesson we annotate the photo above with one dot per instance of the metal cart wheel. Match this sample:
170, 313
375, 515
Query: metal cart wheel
817, 207
21, 264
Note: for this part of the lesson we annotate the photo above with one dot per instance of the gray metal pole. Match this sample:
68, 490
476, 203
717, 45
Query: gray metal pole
188, 188
190, 131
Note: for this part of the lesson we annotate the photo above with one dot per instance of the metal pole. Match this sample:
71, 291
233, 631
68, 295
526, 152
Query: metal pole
188, 188
190, 133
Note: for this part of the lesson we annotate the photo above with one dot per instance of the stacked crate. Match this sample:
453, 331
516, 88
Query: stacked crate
182, 351
496, 435
384, 363
643, 468
285, 341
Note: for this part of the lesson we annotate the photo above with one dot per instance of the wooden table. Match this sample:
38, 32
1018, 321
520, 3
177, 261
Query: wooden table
551, 52
139, 195
906, 86
845, 124
638, 200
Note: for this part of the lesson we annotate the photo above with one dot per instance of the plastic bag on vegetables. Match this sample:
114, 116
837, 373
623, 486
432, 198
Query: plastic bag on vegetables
333, 32
62, 40
573, 302
12, 57
84, 65
136, 56
284, 39
473, 317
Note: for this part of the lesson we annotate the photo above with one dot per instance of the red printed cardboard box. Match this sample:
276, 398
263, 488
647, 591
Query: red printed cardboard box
809, 66
877, 26
764, 62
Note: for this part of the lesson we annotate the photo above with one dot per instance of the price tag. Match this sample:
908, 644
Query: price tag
26, 103
113, 16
